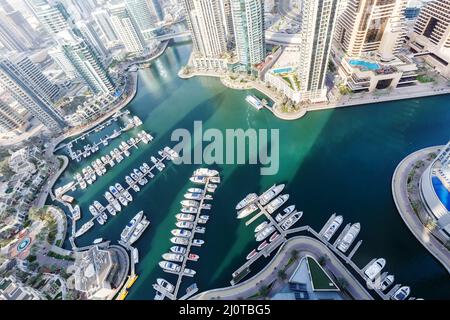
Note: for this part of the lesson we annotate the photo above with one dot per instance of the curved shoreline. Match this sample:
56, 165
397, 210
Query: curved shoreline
305, 245
401, 199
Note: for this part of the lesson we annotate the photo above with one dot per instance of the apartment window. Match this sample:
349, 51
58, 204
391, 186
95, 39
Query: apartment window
430, 27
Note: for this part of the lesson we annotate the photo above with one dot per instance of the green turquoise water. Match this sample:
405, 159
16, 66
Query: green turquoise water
332, 161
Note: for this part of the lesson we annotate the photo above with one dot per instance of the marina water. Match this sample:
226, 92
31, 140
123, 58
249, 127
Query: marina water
338, 160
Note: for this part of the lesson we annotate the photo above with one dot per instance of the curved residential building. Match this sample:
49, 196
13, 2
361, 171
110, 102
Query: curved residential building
435, 189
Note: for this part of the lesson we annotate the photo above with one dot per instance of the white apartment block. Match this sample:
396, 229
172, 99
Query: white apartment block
318, 23
126, 29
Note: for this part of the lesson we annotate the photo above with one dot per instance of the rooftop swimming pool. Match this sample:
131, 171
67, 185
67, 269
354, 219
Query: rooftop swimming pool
442, 192
283, 70
364, 65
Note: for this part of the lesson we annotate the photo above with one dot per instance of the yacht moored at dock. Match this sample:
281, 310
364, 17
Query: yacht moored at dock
349, 237
252, 197
247, 211
131, 226
264, 233
375, 268
275, 204
402, 293
271, 193
84, 228
333, 227
387, 282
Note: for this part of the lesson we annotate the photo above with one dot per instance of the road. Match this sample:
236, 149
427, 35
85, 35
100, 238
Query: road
400, 195
304, 245
284, 8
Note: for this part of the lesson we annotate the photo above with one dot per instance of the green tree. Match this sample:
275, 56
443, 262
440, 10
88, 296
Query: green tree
342, 283
282, 275
294, 254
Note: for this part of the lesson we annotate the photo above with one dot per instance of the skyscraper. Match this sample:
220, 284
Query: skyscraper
102, 19
54, 17
9, 118
35, 78
126, 28
63, 62
248, 20
156, 10
19, 24
371, 25
90, 32
140, 11
9, 38
29, 97
318, 22
207, 28
228, 20
85, 62
432, 34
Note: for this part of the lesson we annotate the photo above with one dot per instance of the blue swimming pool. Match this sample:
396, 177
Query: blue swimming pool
283, 70
364, 65
442, 192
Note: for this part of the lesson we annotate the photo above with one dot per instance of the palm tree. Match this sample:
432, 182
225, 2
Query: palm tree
342, 283
282, 275
294, 254
323, 260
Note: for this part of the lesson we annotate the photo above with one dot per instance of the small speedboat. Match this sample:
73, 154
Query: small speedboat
185, 217
375, 268
190, 203
198, 242
189, 210
252, 254
93, 211
193, 196
173, 257
170, 266
274, 237
189, 272
178, 249
100, 220
193, 257
263, 245
181, 233
184, 224
195, 190
165, 284
387, 282
401, 294
180, 241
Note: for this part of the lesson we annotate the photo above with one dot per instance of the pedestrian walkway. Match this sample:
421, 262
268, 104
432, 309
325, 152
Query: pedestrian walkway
412, 221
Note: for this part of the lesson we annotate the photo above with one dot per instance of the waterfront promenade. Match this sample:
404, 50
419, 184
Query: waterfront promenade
412, 221
304, 245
